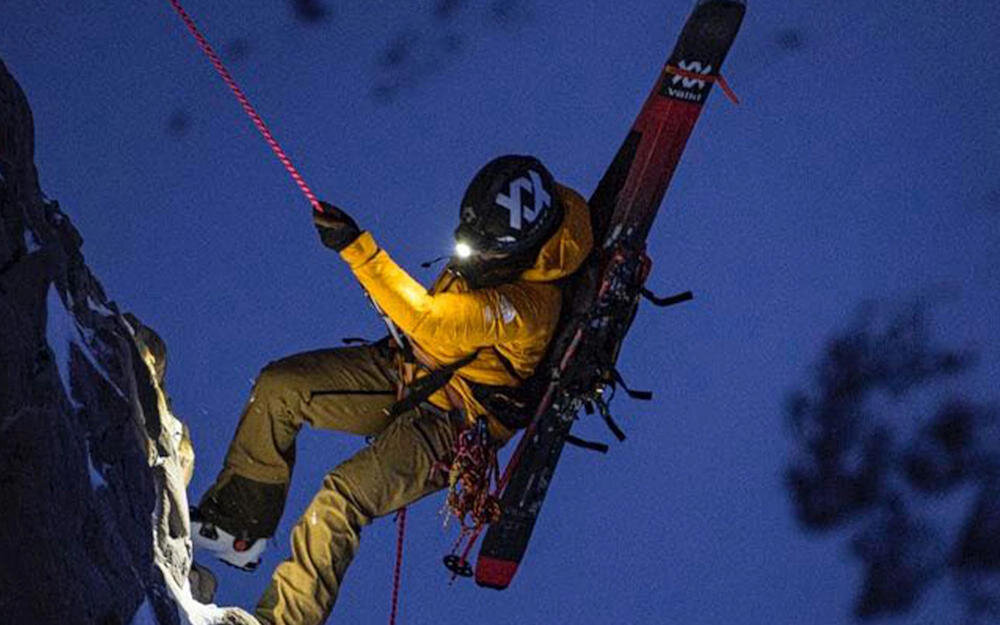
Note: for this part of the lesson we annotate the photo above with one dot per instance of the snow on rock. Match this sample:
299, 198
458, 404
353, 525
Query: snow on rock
144, 615
31, 242
59, 332
104, 310
195, 613
94, 465
96, 477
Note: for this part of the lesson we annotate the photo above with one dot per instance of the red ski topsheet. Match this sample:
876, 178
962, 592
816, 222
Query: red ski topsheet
623, 207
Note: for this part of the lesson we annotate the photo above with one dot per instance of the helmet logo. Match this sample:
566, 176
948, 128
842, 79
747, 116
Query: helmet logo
520, 213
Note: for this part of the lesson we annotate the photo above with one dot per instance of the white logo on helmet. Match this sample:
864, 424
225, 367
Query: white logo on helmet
519, 212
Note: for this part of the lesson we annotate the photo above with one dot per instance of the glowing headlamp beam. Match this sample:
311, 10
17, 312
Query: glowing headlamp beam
462, 250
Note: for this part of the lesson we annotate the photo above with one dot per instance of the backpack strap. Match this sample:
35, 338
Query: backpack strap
508, 365
421, 389
585, 444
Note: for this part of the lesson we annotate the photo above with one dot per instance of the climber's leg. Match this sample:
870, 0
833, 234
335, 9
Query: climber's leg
399, 467
344, 389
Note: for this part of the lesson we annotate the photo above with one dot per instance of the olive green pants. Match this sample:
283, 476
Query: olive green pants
346, 390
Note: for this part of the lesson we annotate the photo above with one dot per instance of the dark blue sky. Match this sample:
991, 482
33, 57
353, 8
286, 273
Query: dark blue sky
862, 164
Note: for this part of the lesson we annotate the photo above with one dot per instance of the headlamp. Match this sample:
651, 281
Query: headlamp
462, 250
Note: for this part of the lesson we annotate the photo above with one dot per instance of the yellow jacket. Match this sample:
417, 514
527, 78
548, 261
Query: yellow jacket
450, 322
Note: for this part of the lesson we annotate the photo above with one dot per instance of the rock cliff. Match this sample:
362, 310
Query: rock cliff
93, 465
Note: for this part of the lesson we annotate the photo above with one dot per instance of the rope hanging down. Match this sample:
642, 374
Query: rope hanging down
245, 103
398, 568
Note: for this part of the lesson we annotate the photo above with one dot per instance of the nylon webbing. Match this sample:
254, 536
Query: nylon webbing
719, 80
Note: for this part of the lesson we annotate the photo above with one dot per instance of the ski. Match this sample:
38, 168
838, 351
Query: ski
605, 296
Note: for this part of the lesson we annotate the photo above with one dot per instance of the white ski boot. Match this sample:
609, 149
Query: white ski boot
241, 553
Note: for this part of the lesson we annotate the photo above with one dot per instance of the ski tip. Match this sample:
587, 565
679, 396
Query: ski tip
494, 573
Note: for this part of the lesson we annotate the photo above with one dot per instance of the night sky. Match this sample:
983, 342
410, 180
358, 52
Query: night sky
862, 165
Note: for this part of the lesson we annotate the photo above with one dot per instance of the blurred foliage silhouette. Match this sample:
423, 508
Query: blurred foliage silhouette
178, 123
789, 39
426, 46
237, 49
310, 11
434, 37
872, 459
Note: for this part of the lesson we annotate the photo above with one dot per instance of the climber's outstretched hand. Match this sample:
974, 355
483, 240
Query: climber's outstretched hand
336, 228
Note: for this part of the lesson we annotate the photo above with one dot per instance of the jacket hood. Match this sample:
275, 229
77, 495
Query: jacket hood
565, 250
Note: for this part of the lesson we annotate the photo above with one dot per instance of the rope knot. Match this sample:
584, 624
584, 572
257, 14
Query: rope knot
473, 472
472, 492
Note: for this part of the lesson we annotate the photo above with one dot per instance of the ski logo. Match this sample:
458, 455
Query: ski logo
685, 87
695, 67
513, 201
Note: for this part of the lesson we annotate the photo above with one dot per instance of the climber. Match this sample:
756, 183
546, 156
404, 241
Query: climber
485, 325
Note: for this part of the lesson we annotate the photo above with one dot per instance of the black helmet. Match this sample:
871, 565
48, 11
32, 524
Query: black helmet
509, 211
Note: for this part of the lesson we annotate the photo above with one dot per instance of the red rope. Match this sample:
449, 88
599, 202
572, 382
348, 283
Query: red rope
245, 103
401, 524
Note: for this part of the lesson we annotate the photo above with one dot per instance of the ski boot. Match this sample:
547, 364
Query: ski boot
240, 551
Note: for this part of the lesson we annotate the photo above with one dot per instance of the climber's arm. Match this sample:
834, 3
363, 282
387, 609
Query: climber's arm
465, 320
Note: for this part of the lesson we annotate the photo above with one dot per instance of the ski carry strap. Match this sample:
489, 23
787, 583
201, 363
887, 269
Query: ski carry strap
634, 394
585, 444
719, 80
663, 302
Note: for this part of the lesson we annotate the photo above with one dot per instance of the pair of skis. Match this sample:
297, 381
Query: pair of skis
607, 293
